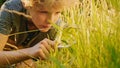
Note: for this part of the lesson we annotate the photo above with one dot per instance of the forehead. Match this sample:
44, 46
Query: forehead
52, 6
45, 8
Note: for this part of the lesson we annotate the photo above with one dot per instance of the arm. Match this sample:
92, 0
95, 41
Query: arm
40, 50
11, 57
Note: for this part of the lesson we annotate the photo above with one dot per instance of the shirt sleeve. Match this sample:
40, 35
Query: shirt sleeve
5, 19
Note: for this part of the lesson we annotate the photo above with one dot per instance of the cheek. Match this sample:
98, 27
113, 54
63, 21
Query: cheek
37, 18
34, 19
57, 17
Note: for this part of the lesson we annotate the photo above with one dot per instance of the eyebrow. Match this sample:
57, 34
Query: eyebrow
42, 0
44, 11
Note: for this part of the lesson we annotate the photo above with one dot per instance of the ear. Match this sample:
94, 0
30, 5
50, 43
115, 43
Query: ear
26, 4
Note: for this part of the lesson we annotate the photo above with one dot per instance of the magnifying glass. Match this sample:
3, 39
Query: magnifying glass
62, 46
65, 45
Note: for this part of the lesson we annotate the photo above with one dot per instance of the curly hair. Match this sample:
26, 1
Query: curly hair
51, 3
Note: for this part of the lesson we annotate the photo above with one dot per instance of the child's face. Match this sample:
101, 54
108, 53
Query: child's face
42, 17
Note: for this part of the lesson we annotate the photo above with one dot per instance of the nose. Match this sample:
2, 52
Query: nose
50, 18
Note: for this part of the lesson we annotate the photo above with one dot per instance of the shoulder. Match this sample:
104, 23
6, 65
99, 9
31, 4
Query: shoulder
13, 5
6, 18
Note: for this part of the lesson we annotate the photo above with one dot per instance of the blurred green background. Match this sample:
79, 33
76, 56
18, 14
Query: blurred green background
2, 1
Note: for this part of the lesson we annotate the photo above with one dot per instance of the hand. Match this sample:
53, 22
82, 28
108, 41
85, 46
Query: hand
43, 48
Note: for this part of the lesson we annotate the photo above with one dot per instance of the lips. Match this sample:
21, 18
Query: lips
46, 26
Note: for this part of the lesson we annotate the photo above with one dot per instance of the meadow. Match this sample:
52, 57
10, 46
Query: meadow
92, 34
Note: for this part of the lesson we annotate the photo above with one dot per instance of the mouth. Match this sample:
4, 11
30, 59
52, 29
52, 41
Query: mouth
46, 26
43, 27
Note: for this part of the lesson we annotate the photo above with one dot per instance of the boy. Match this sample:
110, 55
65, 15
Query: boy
36, 44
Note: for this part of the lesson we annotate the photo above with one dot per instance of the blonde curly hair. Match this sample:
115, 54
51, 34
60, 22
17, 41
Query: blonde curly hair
50, 3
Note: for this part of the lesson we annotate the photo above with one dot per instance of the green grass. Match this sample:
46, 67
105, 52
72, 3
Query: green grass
94, 35
93, 31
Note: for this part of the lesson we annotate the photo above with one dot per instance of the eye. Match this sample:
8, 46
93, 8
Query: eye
43, 11
57, 12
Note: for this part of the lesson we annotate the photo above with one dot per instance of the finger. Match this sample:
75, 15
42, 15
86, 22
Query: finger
51, 43
42, 55
48, 47
44, 50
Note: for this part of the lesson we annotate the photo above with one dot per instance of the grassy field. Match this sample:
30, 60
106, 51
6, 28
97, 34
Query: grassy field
93, 35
